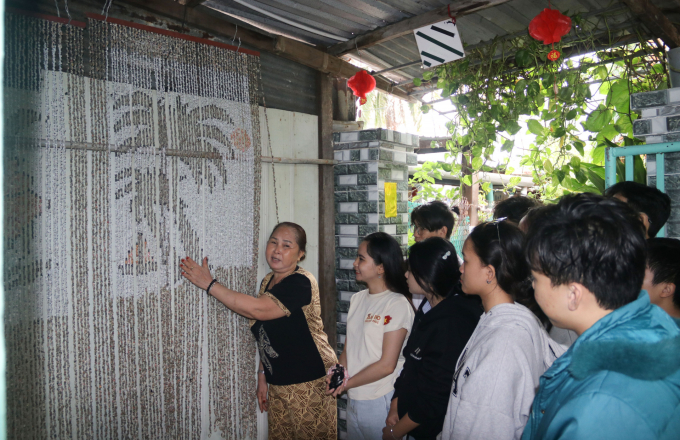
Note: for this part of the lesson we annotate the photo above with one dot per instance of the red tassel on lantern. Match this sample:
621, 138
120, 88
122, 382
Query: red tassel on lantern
361, 84
554, 55
549, 26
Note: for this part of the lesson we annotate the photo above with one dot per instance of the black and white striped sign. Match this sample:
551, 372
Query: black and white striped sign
439, 43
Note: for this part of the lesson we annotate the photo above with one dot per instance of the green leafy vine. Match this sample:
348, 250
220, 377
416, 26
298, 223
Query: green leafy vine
571, 109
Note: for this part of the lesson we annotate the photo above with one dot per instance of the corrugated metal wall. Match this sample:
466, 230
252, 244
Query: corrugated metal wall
288, 85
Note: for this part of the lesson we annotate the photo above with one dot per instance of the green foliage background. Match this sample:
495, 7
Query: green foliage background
572, 108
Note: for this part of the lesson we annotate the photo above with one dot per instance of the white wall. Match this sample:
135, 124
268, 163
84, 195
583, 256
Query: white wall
293, 135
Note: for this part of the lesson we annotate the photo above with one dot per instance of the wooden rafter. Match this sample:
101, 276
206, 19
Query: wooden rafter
458, 9
655, 20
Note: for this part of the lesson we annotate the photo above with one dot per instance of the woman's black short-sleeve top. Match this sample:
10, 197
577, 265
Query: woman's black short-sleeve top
294, 348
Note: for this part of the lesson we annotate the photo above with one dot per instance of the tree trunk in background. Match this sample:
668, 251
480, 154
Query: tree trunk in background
471, 193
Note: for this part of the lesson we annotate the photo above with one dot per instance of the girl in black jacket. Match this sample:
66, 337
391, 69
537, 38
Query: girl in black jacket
422, 390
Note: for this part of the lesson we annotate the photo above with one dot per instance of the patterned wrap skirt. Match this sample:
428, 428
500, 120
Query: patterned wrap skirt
302, 411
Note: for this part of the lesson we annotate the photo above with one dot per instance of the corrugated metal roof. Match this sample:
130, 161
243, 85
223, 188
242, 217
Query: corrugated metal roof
328, 22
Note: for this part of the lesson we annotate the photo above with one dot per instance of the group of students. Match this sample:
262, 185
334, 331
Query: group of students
540, 331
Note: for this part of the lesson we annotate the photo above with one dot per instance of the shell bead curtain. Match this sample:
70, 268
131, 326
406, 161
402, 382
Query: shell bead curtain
125, 151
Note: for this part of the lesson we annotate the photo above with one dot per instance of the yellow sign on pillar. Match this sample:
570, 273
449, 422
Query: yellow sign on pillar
390, 199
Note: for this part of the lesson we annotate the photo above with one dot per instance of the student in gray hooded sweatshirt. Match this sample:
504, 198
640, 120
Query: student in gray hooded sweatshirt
498, 371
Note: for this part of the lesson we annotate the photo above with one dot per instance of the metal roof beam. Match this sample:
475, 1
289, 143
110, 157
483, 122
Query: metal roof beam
401, 66
458, 9
437, 101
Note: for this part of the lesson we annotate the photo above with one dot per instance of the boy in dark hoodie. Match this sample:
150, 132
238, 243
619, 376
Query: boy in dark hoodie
662, 277
621, 378
653, 206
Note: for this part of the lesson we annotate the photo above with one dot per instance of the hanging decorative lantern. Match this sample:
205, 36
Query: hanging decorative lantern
550, 26
362, 83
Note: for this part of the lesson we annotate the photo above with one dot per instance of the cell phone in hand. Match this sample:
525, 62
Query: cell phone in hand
337, 378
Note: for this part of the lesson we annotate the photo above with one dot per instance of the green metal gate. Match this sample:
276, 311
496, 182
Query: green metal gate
628, 154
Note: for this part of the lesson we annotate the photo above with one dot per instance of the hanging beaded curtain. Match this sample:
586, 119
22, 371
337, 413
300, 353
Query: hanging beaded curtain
126, 151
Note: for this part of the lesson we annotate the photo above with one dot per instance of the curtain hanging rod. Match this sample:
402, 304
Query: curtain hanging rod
90, 146
169, 33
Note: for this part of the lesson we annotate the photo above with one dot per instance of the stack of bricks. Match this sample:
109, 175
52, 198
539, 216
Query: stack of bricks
659, 123
368, 159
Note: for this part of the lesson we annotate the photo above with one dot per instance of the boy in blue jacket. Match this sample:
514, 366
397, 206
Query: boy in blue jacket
621, 378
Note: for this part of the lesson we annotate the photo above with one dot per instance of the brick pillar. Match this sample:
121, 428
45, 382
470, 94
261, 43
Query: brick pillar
672, 184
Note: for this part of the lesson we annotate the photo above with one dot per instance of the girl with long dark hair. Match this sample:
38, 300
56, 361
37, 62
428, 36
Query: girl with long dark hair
422, 390
498, 372
378, 322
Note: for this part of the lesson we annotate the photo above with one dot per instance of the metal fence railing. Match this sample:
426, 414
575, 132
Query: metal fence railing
460, 233
628, 154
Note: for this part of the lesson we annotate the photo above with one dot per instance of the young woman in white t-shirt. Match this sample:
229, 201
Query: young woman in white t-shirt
378, 323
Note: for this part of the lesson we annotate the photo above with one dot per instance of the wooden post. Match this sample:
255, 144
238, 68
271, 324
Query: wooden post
327, 290
472, 196
344, 101
471, 193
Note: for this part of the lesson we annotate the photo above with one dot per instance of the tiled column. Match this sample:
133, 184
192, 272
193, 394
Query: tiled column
672, 187
660, 122
369, 158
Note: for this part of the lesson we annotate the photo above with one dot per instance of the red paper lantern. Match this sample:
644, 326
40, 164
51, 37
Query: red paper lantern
549, 26
554, 55
361, 84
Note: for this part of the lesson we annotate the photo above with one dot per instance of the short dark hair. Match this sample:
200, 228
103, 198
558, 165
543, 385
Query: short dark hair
514, 208
531, 215
433, 216
499, 244
385, 250
646, 199
434, 265
300, 235
592, 240
663, 259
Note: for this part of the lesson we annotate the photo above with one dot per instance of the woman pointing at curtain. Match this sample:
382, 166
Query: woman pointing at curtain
286, 321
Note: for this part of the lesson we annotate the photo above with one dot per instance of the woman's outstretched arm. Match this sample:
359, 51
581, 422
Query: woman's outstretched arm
262, 308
